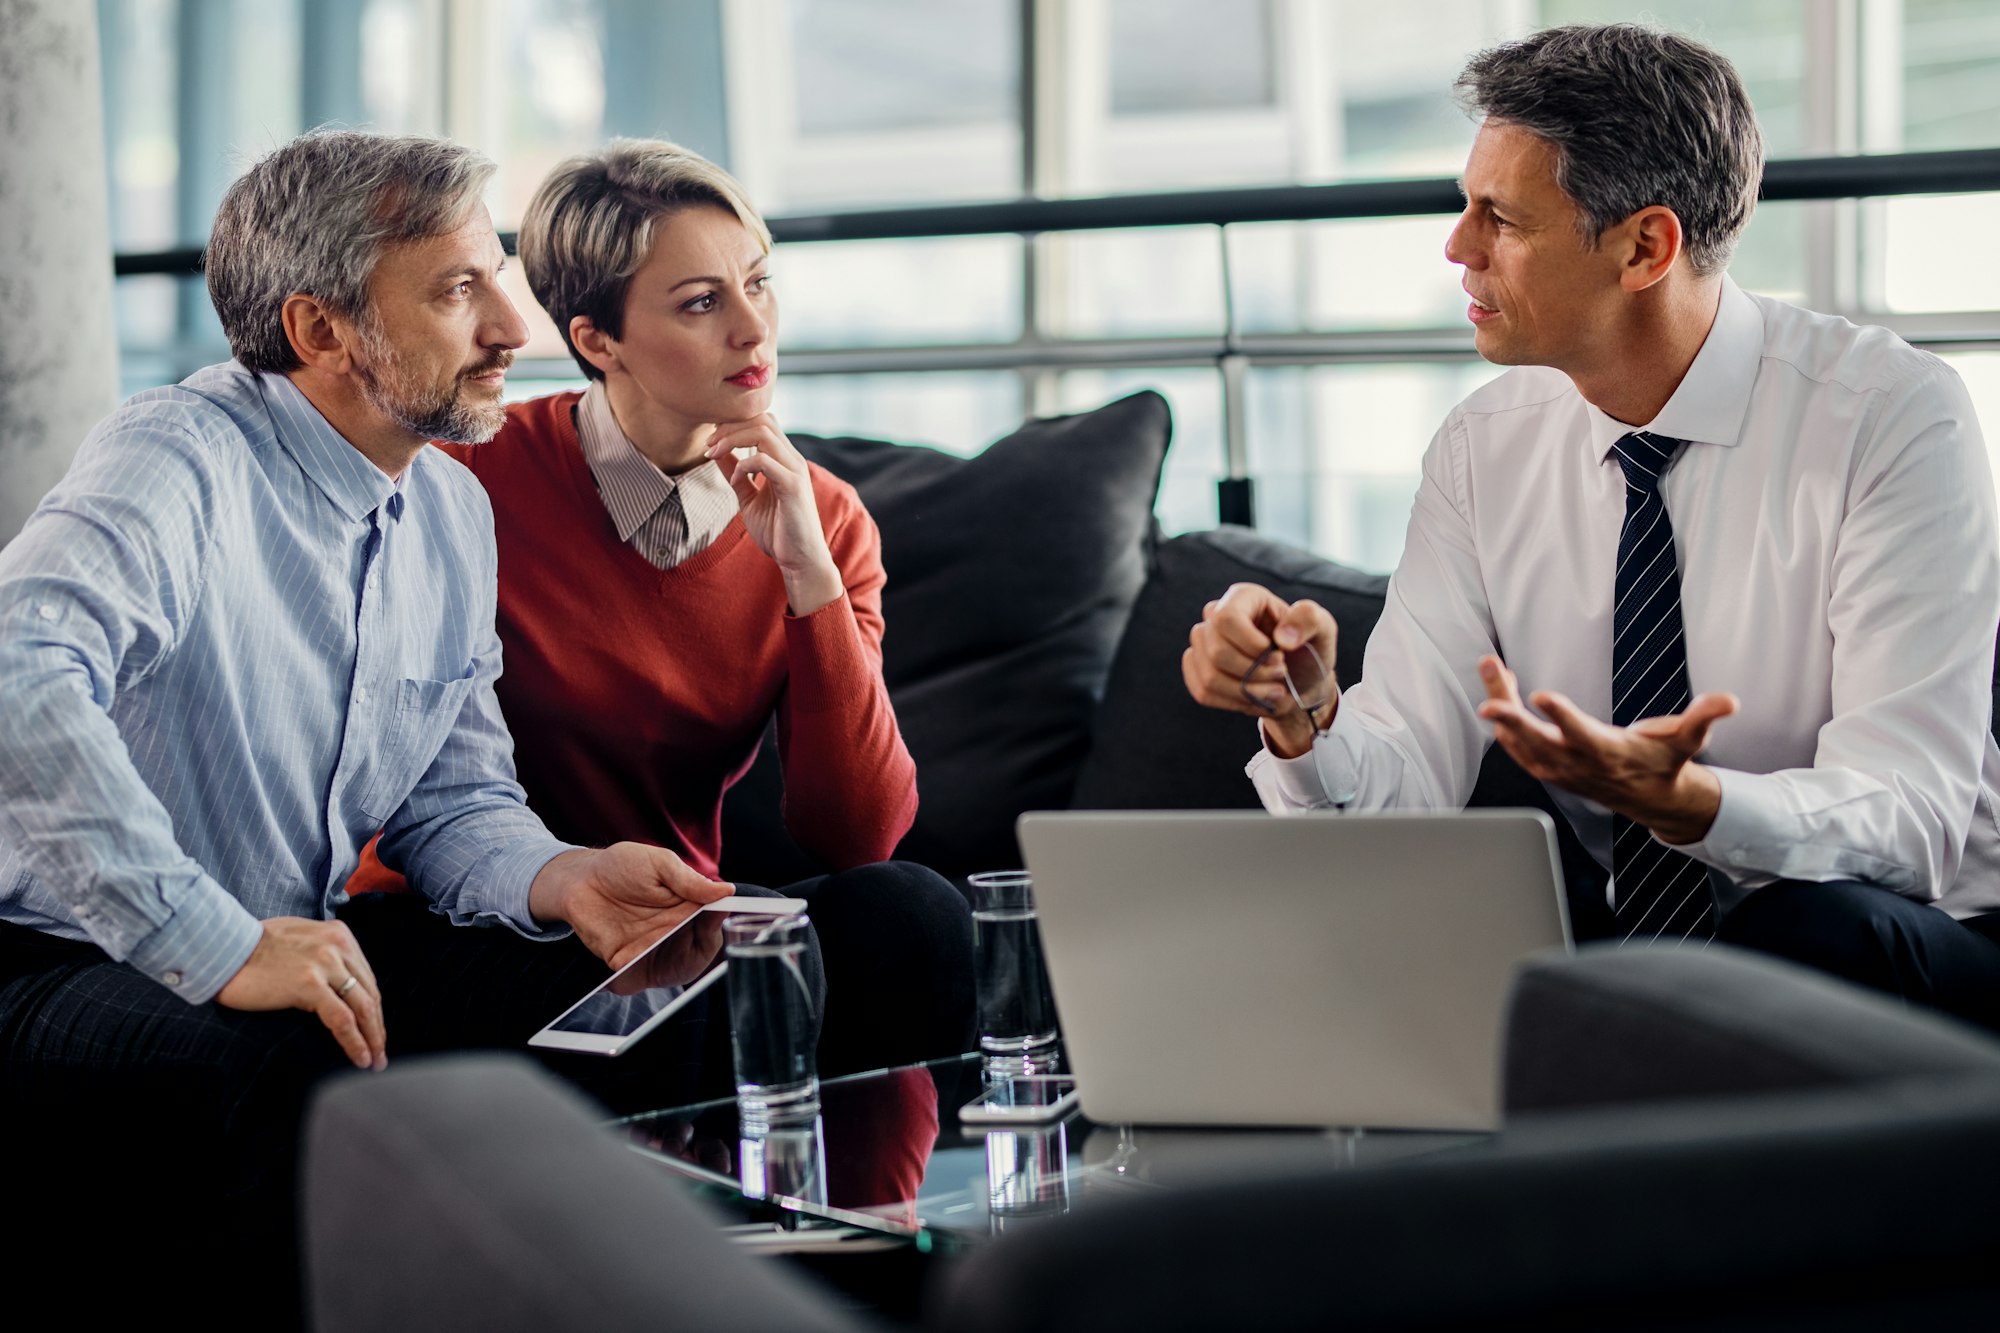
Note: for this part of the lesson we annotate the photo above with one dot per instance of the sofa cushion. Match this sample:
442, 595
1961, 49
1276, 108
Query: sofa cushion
1011, 574
1656, 1023
478, 1192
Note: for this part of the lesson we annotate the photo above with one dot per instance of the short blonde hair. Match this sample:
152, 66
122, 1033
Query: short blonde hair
589, 227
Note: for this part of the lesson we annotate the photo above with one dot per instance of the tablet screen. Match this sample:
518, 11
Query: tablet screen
646, 991
635, 994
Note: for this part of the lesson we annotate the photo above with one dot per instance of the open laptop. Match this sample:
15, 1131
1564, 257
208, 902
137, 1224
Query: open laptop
1238, 968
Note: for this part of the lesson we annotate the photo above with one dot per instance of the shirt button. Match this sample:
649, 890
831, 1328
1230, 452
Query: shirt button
47, 610
360, 696
172, 978
82, 912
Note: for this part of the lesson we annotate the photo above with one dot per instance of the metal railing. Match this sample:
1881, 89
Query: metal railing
1969, 170
1229, 351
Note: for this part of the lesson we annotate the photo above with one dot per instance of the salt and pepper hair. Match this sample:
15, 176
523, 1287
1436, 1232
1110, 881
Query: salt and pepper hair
316, 215
590, 226
1638, 117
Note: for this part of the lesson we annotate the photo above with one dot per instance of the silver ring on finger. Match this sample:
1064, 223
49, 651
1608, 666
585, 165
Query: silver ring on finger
347, 985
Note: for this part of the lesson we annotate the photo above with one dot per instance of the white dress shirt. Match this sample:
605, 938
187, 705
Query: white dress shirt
1835, 524
665, 519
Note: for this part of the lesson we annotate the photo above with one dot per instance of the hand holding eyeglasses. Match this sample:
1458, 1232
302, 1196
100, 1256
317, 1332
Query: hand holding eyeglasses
1257, 654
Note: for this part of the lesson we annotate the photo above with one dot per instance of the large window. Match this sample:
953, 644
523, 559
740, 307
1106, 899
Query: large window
1345, 340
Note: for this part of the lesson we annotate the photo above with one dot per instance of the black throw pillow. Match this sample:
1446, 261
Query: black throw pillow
1155, 748
1011, 574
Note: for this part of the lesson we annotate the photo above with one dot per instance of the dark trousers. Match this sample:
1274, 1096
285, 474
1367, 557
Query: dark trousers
152, 1144
897, 943
1878, 939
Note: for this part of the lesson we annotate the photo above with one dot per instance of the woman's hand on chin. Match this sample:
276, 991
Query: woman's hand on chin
774, 492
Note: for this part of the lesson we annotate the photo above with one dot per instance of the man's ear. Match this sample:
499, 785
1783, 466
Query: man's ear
598, 347
1653, 241
319, 338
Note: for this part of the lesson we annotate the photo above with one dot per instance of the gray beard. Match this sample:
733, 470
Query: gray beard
432, 413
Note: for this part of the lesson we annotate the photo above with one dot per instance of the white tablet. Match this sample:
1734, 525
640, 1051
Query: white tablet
650, 989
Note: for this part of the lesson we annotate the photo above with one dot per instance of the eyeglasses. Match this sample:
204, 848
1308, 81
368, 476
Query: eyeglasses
1306, 679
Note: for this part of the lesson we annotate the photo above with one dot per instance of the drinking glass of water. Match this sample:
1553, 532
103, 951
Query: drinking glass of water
1027, 1173
772, 1025
1017, 1014
783, 1164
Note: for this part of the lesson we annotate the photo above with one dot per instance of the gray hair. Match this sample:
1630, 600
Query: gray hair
315, 217
1638, 117
589, 227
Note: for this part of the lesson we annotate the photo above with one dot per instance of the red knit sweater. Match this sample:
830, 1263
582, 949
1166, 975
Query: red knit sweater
637, 696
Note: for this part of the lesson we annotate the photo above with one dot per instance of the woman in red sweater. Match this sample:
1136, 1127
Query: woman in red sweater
673, 574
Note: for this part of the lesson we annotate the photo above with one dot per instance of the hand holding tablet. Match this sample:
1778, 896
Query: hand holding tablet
638, 997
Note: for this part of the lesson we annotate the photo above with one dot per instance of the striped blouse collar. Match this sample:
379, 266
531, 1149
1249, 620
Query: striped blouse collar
632, 488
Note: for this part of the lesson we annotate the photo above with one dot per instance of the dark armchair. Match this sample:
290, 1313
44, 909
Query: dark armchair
1694, 1139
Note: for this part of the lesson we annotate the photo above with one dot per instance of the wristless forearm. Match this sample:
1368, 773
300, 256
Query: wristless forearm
1292, 735
548, 892
1688, 810
812, 586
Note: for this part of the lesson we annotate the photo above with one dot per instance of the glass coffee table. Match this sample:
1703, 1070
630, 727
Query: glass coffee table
888, 1164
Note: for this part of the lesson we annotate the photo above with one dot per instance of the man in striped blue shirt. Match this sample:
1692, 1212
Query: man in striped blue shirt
250, 627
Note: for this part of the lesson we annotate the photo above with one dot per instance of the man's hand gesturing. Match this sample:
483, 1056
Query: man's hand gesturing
1645, 772
621, 898
1235, 661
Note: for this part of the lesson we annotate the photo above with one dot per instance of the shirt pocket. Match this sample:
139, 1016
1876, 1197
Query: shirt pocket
414, 732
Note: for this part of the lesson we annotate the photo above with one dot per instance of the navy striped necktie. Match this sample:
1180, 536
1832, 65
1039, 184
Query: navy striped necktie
1661, 894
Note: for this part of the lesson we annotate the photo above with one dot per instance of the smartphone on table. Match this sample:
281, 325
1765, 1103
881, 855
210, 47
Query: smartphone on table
1022, 1099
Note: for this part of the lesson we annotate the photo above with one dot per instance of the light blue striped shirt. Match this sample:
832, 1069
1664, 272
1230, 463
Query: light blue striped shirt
231, 649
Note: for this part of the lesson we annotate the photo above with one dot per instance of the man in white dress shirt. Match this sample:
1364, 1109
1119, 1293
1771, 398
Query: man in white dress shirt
1774, 527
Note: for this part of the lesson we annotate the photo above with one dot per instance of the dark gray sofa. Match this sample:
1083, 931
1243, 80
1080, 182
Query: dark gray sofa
1036, 619
1694, 1140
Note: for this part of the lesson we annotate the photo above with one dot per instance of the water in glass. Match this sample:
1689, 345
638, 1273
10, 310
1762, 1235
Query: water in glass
771, 1020
1017, 1013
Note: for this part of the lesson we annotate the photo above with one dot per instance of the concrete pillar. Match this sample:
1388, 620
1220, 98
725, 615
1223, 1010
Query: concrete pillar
58, 334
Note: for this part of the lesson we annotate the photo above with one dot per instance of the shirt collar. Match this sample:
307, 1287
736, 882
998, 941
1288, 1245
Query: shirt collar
1714, 395
343, 474
397, 500
631, 487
